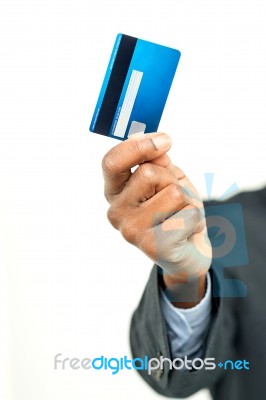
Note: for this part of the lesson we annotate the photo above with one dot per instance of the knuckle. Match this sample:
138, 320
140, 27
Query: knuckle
172, 258
146, 171
114, 217
107, 196
175, 191
139, 148
129, 233
177, 195
108, 163
195, 214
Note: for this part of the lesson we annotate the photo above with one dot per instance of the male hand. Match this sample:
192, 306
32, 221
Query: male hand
157, 209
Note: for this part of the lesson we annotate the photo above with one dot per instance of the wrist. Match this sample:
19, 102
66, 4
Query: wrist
183, 290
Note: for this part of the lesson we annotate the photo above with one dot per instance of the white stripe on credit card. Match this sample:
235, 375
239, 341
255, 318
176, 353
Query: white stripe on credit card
128, 103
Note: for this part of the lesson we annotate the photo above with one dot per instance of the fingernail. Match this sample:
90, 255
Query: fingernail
161, 142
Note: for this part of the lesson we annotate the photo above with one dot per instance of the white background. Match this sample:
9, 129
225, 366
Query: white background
69, 283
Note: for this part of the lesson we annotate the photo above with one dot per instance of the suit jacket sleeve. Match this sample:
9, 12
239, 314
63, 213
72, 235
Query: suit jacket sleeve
148, 337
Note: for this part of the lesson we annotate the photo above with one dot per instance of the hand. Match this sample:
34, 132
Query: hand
156, 207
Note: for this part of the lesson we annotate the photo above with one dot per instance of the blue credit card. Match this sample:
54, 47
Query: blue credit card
135, 88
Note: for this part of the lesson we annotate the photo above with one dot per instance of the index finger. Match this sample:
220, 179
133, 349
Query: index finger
117, 163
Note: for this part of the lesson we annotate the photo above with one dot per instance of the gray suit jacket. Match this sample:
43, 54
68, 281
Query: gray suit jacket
238, 328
